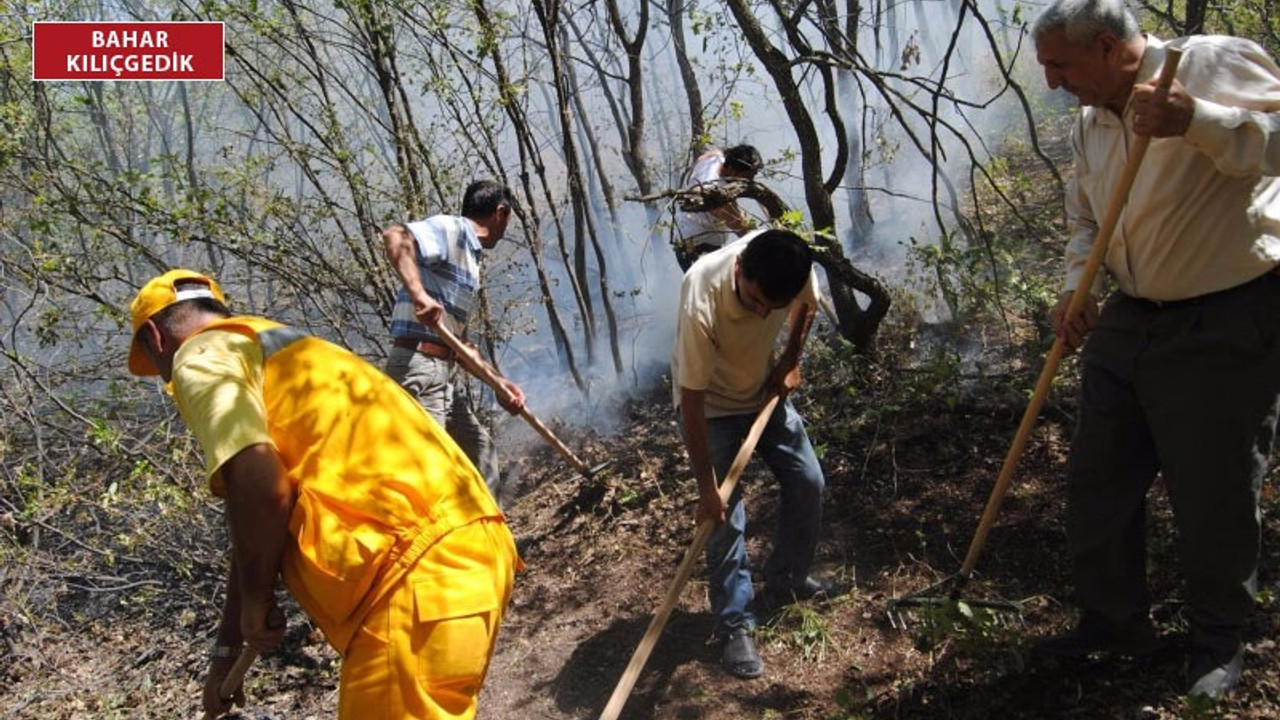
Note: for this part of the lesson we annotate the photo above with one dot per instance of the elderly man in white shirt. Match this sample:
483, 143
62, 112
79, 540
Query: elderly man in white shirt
1181, 371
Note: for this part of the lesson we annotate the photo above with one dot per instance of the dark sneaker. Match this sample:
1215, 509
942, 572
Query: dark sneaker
740, 658
811, 589
1134, 640
1210, 676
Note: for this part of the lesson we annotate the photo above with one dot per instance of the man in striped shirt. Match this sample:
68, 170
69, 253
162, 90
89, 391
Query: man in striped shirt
438, 262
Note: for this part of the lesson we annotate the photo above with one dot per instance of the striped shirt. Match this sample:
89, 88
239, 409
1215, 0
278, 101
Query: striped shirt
449, 266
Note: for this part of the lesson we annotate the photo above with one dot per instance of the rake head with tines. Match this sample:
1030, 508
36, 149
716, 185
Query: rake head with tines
933, 608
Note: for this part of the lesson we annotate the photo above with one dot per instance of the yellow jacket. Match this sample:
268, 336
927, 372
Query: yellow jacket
377, 480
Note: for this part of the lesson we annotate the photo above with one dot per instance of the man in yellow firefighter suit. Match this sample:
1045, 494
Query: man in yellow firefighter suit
338, 482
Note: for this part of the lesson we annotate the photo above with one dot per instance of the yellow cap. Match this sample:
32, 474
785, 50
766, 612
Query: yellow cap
158, 294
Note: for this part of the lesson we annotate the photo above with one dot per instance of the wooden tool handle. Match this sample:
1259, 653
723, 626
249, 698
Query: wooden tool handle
550, 437
475, 363
482, 370
236, 674
1115, 206
642, 651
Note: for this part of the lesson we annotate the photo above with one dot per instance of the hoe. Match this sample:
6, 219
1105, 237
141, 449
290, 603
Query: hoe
492, 380
641, 654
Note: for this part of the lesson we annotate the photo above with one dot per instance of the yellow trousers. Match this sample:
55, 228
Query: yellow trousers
423, 650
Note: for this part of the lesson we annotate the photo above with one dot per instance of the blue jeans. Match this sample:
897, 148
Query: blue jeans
784, 447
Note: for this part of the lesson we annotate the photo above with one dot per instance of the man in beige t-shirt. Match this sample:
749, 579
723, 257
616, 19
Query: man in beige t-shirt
734, 303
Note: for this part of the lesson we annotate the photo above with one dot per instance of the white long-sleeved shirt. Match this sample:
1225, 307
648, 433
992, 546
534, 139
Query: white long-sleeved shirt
1203, 213
704, 227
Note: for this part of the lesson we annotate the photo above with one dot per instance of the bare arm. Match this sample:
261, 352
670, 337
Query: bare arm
259, 503
228, 636
785, 376
229, 627
401, 249
693, 415
733, 218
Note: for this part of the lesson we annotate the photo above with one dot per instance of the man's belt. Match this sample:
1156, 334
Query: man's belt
426, 347
1269, 276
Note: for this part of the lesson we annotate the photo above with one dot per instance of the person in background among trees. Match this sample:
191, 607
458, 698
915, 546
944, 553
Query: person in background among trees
438, 262
702, 232
1181, 371
336, 480
733, 303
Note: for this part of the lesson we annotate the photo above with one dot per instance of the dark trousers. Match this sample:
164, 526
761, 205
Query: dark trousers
1189, 391
687, 256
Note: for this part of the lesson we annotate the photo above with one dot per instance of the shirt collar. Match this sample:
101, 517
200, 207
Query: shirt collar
473, 240
1148, 70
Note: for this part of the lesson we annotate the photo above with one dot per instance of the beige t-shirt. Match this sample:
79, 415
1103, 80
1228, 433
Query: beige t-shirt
721, 347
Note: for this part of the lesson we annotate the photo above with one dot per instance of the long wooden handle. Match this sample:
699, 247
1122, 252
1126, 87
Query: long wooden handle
236, 674
482, 370
551, 438
1115, 206
650, 639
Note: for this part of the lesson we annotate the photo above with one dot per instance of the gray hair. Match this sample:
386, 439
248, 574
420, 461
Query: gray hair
1083, 20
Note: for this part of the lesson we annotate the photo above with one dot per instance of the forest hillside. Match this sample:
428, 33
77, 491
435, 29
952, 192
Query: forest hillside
912, 143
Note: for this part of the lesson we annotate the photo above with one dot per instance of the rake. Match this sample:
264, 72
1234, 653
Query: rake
482, 370
641, 654
929, 597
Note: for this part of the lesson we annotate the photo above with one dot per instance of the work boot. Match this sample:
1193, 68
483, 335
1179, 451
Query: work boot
1091, 636
812, 588
740, 658
1211, 674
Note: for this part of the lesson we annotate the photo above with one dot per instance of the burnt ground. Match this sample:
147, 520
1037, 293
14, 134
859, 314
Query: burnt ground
902, 510
909, 468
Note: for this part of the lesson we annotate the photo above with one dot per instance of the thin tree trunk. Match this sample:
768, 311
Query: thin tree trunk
548, 17
698, 139
529, 220
634, 153
856, 324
